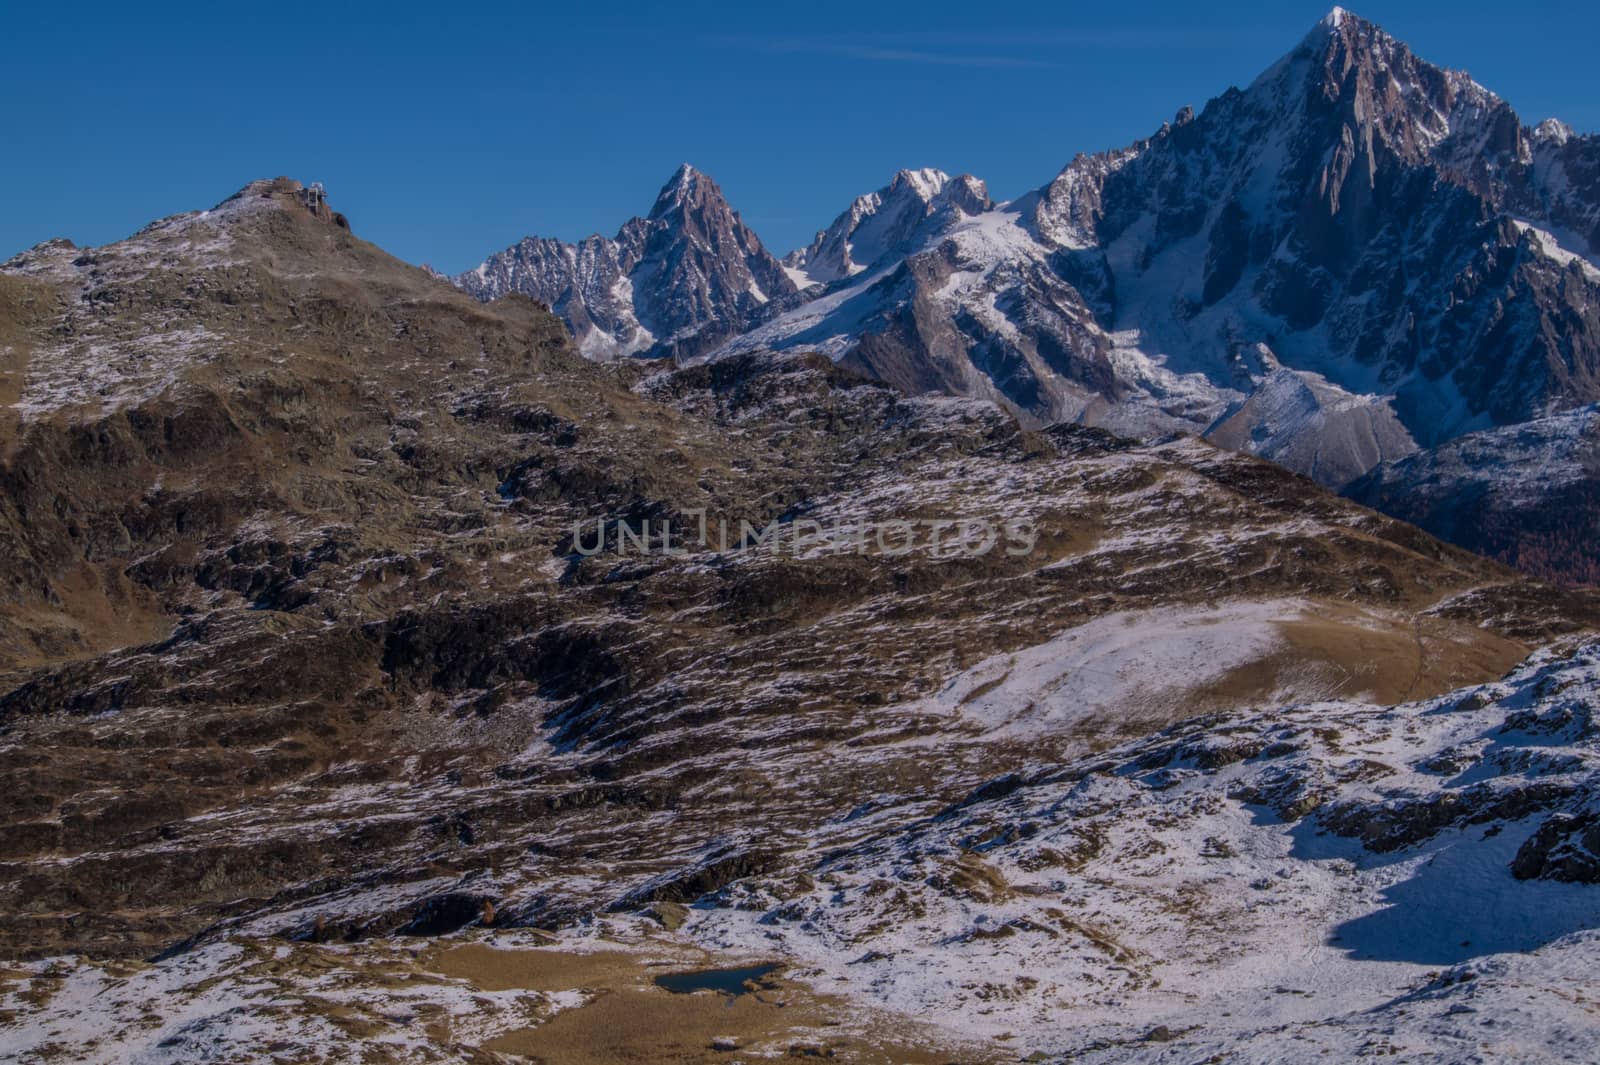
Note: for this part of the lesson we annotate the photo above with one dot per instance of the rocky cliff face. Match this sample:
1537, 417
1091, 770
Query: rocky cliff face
686, 275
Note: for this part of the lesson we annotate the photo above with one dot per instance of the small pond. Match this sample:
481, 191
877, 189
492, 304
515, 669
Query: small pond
728, 981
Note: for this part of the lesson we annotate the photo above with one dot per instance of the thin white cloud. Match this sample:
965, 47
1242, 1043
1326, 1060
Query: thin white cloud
1002, 48
1141, 38
885, 53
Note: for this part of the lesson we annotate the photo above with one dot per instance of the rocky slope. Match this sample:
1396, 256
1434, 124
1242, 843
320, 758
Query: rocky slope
688, 274
1330, 879
1526, 494
311, 650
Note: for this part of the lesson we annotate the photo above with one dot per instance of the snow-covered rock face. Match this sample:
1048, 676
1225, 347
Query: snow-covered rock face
978, 309
687, 272
1355, 210
1326, 878
884, 222
1297, 419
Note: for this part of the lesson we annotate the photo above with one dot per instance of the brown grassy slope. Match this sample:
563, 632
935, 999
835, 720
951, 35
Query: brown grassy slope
291, 616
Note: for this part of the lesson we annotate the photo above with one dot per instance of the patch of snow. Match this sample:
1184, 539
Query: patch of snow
1115, 664
1551, 246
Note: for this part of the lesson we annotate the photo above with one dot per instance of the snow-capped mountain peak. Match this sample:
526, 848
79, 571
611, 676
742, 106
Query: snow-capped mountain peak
683, 177
882, 222
1553, 131
924, 183
687, 189
684, 276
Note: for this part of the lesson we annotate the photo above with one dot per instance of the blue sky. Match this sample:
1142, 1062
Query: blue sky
447, 131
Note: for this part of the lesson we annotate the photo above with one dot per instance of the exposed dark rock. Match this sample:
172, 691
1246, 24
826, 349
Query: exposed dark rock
1566, 847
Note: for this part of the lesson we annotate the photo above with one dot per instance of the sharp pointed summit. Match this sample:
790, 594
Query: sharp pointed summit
686, 185
685, 277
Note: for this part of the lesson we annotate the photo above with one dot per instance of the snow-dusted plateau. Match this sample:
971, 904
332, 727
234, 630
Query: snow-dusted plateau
325, 736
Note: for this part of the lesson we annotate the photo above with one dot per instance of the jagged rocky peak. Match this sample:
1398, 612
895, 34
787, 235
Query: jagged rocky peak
1365, 79
692, 210
1352, 101
925, 183
968, 193
702, 272
689, 191
686, 275
885, 221
1553, 131
1347, 86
